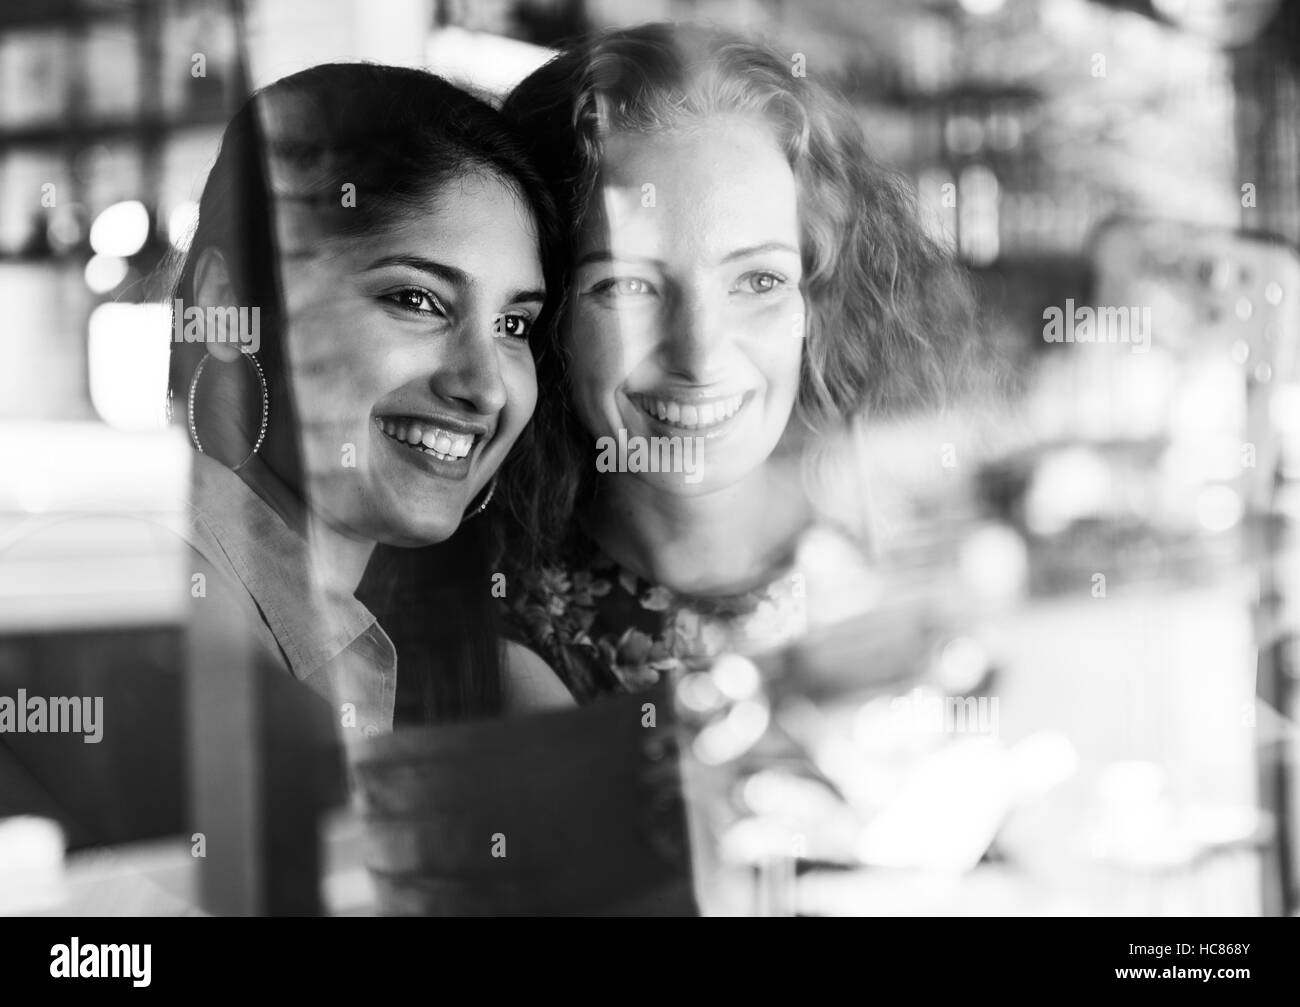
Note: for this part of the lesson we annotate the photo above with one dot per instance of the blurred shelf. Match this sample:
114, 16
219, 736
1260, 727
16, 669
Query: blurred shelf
80, 132
43, 13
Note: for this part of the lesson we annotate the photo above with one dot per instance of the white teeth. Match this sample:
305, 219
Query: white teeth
707, 414
444, 444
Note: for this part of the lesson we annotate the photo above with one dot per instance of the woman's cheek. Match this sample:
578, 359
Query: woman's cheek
784, 318
520, 376
591, 367
342, 365
590, 401
606, 343
777, 335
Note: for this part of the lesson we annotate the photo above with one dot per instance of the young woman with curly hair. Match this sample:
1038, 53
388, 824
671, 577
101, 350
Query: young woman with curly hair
735, 260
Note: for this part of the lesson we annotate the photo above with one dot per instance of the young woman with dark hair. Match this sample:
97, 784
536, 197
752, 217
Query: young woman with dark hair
734, 258
388, 240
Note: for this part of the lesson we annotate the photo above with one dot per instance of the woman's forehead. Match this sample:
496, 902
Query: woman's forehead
722, 186
722, 142
473, 212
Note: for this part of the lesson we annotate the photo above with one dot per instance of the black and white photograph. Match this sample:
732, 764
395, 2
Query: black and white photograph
637, 458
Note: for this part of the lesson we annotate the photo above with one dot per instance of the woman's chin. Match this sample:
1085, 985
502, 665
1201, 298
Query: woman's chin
426, 533
412, 526
677, 484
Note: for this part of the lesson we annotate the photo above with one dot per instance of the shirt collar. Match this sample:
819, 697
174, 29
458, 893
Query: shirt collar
312, 625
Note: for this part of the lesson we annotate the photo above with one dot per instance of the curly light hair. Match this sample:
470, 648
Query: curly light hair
890, 314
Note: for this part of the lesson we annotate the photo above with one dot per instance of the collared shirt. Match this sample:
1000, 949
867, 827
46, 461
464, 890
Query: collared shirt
327, 639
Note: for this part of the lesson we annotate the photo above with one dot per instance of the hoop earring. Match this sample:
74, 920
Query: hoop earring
492, 488
266, 407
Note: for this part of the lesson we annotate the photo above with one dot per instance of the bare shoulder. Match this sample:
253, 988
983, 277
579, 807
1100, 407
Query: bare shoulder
530, 683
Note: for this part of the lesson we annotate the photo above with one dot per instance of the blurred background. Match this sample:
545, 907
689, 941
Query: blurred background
1098, 543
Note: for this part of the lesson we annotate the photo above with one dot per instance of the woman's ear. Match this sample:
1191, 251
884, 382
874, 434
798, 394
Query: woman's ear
213, 289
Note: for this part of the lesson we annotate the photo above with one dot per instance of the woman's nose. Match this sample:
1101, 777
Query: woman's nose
693, 339
469, 370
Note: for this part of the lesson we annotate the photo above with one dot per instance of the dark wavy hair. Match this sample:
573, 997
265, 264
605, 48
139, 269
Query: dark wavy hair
889, 312
398, 135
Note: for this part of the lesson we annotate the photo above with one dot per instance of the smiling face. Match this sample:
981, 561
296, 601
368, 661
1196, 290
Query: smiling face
686, 317
412, 374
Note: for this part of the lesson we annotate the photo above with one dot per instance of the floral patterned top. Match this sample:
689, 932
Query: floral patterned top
605, 629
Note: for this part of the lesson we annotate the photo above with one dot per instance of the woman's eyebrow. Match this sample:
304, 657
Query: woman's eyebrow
767, 246
456, 277
605, 255
450, 274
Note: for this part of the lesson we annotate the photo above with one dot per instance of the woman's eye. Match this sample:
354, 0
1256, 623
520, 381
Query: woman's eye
514, 326
416, 301
761, 282
623, 286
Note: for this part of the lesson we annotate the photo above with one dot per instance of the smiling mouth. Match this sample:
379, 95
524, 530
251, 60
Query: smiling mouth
699, 415
420, 435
